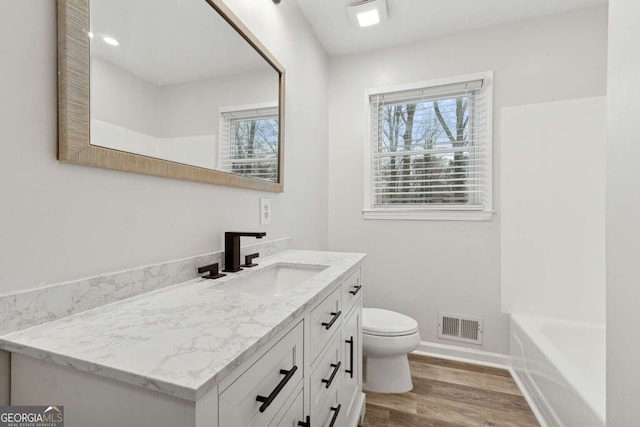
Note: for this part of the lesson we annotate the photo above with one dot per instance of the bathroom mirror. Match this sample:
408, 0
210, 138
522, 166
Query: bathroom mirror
175, 88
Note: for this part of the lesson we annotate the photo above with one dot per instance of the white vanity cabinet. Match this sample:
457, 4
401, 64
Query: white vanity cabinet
335, 384
309, 373
332, 383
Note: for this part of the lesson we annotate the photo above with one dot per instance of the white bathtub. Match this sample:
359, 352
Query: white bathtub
561, 365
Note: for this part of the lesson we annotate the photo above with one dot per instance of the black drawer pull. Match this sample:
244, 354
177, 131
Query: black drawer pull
336, 368
306, 423
350, 370
336, 411
335, 315
266, 401
355, 290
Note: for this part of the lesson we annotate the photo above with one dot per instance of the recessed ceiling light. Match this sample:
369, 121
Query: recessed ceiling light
370, 17
90, 34
367, 13
110, 40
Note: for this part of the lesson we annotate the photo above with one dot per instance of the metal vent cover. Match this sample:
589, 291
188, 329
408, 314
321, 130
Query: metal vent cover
460, 328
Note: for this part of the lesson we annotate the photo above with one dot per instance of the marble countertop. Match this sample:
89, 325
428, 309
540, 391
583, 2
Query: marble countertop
180, 340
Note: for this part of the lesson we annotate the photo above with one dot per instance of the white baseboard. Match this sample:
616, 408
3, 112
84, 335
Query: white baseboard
464, 354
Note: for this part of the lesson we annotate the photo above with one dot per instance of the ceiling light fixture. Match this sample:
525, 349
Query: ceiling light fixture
110, 40
367, 13
90, 34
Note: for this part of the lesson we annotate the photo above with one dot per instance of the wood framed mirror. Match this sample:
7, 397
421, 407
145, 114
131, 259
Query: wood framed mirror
173, 88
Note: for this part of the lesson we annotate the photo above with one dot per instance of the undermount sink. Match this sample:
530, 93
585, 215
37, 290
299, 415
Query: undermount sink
274, 281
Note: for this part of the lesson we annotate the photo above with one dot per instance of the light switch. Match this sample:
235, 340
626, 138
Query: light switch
265, 211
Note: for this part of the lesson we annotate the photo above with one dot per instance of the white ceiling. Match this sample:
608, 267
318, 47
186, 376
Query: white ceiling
411, 20
170, 41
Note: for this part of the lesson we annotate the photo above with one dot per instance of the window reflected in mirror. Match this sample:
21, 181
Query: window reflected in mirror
249, 141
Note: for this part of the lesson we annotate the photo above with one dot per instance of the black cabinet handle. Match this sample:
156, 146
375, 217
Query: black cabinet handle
355, 290
336, 411
335, 315
336, 368
306, 423
350, 370
266, 401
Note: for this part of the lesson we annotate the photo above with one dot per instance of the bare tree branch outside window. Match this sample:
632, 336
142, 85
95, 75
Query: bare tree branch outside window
423, 152
254, 150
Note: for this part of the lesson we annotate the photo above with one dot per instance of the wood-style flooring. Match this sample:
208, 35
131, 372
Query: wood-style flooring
447, 393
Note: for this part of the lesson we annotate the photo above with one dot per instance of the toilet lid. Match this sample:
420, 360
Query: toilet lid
381, 322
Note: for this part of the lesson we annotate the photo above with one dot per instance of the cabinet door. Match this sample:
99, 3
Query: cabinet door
352, 347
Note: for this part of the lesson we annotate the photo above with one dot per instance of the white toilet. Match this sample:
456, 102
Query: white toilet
387, 338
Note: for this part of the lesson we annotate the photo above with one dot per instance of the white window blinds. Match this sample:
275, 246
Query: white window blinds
429, 148
249, 143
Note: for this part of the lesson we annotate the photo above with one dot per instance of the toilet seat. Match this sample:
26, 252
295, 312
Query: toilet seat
386, 323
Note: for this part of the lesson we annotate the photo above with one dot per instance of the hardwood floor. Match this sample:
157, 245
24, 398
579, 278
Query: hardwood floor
448, 394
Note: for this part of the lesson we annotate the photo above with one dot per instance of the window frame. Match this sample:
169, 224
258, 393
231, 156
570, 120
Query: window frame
440, 212
224, 129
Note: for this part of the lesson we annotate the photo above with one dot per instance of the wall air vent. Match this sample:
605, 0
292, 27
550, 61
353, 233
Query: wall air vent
460, 328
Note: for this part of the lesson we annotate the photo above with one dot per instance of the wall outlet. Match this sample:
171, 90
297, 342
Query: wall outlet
265, 211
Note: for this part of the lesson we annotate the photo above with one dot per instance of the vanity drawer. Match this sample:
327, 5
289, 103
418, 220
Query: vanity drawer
326, 377
273, 377
351, 290
326, 319
293, 414
330, 412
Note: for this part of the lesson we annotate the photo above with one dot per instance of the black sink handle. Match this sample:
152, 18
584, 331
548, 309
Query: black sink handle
212, 269
248, 260
335, 315
266, 401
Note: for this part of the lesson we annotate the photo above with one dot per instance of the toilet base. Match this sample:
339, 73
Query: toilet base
387, 374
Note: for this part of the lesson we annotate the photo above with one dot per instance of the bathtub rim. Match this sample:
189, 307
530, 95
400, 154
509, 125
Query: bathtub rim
595, 399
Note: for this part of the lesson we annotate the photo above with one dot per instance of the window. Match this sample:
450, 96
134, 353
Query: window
429, 150
249, 141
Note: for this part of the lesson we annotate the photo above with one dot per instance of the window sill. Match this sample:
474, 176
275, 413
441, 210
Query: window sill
427, 214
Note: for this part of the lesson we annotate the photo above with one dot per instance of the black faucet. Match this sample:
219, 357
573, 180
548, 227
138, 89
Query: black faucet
232, 249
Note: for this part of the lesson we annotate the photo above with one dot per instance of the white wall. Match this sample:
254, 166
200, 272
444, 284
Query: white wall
61, 221
192, 108
552, 212
422, 267
623, 212
124, 99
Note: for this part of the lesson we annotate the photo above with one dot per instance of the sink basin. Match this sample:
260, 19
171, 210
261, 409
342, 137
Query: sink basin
274, 281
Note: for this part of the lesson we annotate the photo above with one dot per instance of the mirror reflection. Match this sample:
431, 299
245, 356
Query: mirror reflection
171, 79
